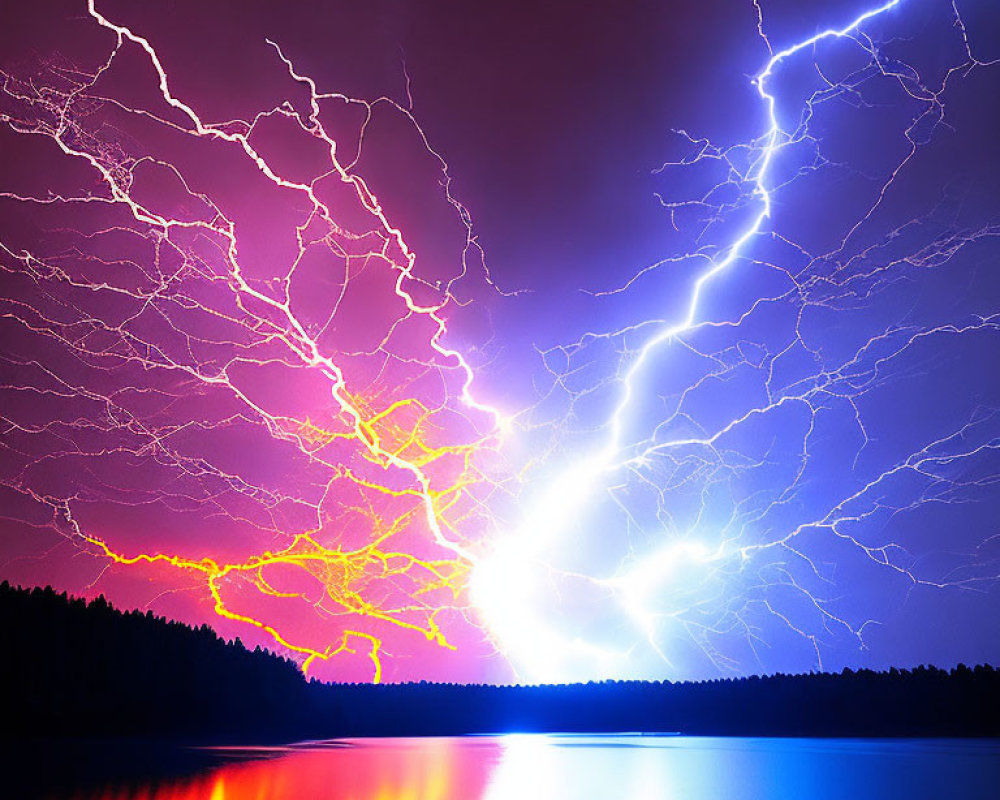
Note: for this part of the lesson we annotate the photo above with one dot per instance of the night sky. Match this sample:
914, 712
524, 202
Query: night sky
379, 333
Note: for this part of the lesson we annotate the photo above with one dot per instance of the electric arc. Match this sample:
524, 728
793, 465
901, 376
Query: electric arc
255, 372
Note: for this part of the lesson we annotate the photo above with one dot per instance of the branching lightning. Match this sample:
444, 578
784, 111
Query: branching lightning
712, 587
231, 385
398, 467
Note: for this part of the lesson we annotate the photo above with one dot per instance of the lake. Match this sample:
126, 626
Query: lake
575, 767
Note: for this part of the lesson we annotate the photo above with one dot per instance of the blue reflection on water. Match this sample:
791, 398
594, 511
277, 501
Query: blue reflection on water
693, 768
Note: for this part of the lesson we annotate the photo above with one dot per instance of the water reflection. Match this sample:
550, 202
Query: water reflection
374, 769
585, 767
690, 768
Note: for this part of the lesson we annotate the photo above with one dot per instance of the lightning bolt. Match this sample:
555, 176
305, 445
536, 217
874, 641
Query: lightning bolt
408, 468
772, 141
334, 479
512, 584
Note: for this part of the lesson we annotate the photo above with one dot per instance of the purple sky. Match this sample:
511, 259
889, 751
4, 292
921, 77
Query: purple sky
380, 356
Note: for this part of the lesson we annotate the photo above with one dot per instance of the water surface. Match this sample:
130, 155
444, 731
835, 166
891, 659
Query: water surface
522, 767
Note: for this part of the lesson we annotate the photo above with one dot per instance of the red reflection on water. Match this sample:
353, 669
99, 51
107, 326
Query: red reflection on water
388, 769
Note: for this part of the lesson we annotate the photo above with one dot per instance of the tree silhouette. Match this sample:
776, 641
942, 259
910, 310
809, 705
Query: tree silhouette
77, 669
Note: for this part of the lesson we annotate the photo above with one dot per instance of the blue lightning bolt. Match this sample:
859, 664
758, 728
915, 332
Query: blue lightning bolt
505, 583
772, 137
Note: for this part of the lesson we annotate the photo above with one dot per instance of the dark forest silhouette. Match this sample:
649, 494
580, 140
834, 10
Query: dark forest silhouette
73, 669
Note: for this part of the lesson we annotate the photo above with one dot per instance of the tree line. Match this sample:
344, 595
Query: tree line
70, 668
